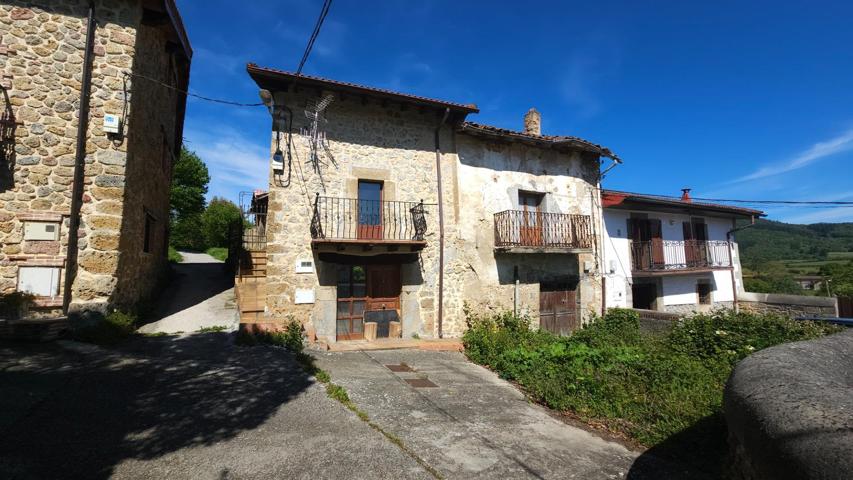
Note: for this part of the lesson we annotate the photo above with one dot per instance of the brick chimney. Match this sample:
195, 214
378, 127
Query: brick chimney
533, 122
685, 195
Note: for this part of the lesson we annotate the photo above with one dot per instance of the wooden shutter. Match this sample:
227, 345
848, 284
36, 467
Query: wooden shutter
657, 242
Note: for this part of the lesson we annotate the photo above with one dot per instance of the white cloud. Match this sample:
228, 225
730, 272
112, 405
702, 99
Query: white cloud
235, 162
834, 214
819, 150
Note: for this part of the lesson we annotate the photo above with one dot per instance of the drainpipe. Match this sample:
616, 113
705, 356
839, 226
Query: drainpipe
515, 292
79, 160
440, 224
729, 238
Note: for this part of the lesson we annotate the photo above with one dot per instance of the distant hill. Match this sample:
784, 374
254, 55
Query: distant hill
772, 241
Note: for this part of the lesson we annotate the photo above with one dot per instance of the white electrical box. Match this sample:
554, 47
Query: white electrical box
304, 266
112, 123
40, 281
304, 295
41, 231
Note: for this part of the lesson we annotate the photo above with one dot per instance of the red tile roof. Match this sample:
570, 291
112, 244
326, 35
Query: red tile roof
612, 198
575, 142
259, 74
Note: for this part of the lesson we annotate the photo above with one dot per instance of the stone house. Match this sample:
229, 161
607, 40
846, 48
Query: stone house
393, 211
671, 255
92, 122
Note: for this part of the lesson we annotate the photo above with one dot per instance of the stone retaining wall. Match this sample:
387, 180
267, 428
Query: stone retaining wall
789, 411
791, 305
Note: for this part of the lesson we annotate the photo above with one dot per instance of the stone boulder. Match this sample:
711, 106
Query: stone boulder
789, 411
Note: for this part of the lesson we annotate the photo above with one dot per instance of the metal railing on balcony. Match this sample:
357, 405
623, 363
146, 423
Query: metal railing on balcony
519, 228
368, 220
662, 255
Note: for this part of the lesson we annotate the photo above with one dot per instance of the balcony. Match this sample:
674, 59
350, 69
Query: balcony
671, 256
522, 231
343, 221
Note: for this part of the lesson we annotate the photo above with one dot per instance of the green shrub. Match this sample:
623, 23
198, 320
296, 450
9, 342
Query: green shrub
174, 255
290, 337
609, 372
219, 253
111, 329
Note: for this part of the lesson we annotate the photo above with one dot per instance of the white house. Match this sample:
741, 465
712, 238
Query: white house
670, 255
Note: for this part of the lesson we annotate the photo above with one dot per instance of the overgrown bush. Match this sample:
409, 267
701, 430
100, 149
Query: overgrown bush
110, 329
610, 372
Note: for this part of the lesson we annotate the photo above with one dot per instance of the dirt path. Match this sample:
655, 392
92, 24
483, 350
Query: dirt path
201, 295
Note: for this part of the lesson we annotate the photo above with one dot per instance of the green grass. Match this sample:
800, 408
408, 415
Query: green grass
648, 388
219, 253
213, 329
107, 330
174, 255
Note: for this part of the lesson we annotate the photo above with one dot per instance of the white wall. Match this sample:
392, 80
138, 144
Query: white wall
677, 289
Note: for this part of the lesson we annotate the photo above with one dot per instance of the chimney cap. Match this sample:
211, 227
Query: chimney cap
685, 195
533, 122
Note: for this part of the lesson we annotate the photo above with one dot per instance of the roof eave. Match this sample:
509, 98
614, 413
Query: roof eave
270, 78
540, 142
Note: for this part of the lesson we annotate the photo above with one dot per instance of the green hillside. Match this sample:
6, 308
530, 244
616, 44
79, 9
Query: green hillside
773, 253
770, 241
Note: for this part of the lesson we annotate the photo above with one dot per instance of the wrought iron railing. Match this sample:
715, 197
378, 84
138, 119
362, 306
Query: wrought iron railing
519, 228
368, 220
680, 254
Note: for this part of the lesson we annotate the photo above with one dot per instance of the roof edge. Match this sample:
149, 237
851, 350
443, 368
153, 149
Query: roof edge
258, 72
541, 140
615, 198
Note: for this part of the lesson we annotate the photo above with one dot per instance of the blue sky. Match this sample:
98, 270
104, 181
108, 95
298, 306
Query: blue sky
734, 99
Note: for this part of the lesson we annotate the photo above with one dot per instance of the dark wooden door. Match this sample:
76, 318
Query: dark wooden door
647, 243
558, 310
363, 289
370, 212
531, 218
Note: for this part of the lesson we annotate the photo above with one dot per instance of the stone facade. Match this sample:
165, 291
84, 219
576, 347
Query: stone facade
789, 305
373, 140
126, 175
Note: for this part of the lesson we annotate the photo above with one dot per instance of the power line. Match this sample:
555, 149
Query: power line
323, 12
195, 95
817, 203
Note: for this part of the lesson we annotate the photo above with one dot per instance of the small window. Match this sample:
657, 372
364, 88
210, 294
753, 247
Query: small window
41, 231
704, 292
148, 241
40, 281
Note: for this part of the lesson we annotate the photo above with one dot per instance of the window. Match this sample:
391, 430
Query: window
148, 241
40, 281
369, 210
703, 290
41, 231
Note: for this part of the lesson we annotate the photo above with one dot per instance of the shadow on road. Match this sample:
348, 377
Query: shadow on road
192, 284
699, 451
152, 397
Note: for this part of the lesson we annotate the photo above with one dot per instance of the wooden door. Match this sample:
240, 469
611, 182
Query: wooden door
530, 230
646, 243
558, 310
370, 210
363, 289
695, 242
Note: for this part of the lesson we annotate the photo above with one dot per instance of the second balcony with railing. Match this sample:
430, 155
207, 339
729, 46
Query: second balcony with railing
673, 256
531, 231
344, 221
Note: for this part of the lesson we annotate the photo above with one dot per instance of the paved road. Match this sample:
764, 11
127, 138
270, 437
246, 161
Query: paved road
201, 295
473, 425
193, 407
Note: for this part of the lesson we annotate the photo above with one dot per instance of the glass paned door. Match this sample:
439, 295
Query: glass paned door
369, 210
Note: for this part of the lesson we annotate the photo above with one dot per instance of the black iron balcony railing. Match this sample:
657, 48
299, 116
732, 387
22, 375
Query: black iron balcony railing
519, 228
680, 254
367, 220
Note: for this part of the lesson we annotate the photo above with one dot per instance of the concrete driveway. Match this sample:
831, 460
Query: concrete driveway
472, 424
189, 407
200, 295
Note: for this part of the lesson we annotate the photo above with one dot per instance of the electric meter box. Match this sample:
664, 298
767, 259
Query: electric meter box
112, 124
41, 231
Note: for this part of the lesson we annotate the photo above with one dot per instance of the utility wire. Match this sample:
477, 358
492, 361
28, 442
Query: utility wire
201, 97
737, 200
323, 12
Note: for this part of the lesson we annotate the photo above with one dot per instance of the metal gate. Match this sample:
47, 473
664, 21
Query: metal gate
558, 310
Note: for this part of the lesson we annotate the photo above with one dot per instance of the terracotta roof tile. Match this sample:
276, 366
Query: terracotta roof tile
617, 197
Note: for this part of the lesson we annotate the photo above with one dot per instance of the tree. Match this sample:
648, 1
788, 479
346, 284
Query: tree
186, 203
217, 218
